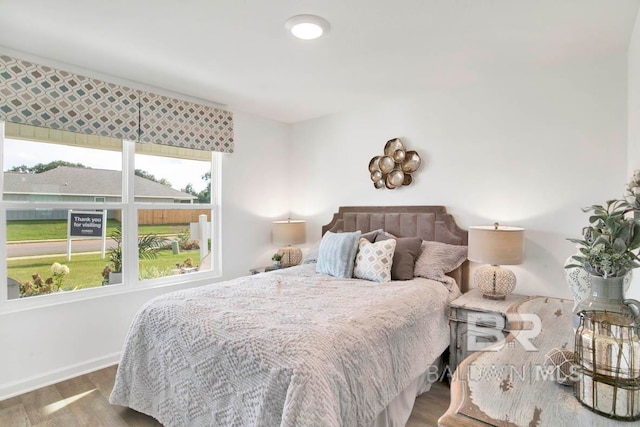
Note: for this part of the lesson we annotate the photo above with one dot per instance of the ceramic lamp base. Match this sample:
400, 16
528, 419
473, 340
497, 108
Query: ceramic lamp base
495, 282
290, 256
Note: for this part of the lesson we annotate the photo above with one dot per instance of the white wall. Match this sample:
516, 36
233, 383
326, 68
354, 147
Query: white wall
633, 121
46, 345
633, 148
526, 147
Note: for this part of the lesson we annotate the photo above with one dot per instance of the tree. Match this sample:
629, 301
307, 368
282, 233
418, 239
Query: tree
43, 167
203, 196
146, 175
20, 169
190, 190
164, 181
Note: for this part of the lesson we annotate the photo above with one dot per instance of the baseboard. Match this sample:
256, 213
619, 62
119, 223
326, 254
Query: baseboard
32, 383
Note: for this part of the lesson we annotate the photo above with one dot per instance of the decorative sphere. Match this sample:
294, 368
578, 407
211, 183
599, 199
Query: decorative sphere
564, 366
392, 146
386, 164
398, 156
395, 177
389, 184
379, 183
376, 176
407, 179
411, 162
373, 164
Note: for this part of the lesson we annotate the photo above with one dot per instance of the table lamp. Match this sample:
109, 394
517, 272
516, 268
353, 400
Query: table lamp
496, 245
289, 232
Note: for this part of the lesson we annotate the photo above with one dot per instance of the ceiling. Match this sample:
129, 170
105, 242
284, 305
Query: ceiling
238, 53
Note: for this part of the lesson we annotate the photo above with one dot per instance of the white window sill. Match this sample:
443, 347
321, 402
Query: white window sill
175, 282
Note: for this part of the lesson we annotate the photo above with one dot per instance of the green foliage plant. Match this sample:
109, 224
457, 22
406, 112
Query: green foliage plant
148, 247
610, 243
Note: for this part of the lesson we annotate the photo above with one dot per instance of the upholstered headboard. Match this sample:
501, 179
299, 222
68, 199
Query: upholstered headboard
426, 222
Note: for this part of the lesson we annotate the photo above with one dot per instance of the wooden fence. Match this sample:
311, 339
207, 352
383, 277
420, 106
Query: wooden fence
160, 216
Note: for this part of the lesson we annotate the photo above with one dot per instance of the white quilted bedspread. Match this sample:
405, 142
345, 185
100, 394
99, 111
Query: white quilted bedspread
286, 348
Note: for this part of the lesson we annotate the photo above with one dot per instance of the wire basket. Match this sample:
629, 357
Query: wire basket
607, 351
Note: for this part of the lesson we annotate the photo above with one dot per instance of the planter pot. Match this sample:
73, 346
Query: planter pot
115, 278
608, 295
604, 295
579, 281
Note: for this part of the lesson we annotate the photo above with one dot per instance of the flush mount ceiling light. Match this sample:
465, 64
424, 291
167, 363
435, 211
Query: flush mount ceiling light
307, 27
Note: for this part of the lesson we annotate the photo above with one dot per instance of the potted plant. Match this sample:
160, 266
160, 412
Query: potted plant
607, 324
277, 259
608, 251
148, 247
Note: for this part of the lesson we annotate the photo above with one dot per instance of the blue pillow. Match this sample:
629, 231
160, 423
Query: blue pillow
337, 254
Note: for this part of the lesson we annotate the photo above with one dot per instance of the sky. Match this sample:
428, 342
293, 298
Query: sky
178, 172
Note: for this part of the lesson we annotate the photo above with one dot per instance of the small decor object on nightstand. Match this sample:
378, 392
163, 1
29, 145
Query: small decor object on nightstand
394, 169
563, 364
289, 232
277, 260
496, 245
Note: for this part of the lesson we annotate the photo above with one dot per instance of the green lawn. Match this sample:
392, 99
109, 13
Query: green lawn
57, 229
85, 270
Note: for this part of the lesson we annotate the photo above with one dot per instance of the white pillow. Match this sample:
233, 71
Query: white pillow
374, 260
337, 253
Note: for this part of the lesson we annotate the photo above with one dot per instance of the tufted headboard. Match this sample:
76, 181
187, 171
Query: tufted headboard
426, 222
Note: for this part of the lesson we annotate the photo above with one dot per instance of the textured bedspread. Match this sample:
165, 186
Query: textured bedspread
288, 348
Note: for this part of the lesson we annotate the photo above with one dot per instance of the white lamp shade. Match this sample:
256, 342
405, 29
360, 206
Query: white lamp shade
288, 232
496, 246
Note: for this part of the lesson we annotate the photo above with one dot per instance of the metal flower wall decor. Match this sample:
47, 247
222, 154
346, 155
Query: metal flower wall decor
394, 169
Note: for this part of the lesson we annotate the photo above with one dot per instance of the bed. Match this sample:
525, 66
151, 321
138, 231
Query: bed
295, 347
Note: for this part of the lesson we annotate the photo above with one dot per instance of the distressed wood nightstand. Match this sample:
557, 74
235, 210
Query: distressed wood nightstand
477, 322
511, 385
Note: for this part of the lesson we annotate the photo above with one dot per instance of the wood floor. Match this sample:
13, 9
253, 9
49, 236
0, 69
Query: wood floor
84, 401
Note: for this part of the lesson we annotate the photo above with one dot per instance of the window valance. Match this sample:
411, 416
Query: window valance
42, 96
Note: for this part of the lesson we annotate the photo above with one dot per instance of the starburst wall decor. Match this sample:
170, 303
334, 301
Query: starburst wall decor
394, 168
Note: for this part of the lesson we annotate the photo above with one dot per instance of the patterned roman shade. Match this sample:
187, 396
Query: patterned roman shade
171, 121
42, 96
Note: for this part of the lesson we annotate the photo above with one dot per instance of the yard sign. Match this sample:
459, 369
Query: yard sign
86, 225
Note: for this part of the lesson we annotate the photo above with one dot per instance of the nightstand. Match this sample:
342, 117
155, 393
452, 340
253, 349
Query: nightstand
477, 322
511, 386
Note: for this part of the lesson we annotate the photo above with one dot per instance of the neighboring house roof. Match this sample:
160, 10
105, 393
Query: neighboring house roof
66, 180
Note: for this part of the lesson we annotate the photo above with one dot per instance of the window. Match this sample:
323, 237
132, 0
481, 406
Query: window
179, 190
82, 212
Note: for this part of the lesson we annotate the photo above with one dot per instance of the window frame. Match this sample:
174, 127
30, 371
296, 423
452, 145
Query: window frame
129, 209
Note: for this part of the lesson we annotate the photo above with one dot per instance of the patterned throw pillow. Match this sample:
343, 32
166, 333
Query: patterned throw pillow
374, 260
437, 259
337, 253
